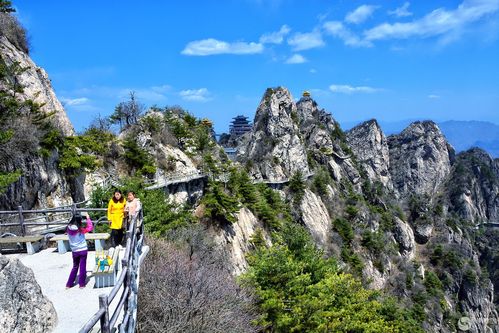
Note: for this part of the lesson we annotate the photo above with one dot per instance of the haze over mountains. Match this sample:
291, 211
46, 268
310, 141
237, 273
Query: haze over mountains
462, 135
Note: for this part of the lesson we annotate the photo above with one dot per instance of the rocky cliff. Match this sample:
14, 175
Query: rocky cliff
41, 184
472, 187
370, 145
275, 149
411, 203
36, 85
420, 159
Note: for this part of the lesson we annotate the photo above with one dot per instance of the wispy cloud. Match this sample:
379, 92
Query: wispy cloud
337, 29
296, 59
213, 46
275, 37
304, 41
154, 94
439, 22
402, 11
347, 89
74, 101
313, 70
433, 96
360, 14
196, 95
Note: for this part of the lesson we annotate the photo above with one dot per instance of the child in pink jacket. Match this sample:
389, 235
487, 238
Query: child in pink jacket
78, 244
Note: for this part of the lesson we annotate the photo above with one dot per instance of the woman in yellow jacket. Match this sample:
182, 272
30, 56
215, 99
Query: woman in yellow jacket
115, 215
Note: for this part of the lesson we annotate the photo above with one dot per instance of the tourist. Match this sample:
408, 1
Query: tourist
78, 244
115, 215
133, 206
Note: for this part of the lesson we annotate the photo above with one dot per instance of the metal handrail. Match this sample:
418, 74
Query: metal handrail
127, 280
23, 222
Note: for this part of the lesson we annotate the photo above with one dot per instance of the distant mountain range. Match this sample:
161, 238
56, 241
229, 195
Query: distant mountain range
462, 135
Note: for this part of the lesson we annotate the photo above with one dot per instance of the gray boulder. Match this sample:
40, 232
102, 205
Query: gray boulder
23, 308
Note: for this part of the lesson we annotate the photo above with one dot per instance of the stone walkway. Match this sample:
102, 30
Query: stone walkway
74, 306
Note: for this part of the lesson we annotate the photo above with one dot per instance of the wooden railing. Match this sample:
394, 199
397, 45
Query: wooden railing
126, 286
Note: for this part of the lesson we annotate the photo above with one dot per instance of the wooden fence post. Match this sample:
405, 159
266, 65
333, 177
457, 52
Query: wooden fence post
21, 220
104, 320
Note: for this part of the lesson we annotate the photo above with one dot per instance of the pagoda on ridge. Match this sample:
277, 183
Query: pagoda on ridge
240, 125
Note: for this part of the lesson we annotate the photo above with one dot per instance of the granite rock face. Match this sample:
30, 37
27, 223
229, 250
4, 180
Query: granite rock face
235, 239
370, 146
405, 238
37, 86
42, 184
420, 159
323, 140
473, 186
23, 308
316, 218
275, 149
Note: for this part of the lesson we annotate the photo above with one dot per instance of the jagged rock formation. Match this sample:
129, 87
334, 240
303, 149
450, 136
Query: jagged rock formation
370, 146
420, 159
417, 171
36, 83
275, 150
416, 161
473, 186
23, 308
323, 140
42, 184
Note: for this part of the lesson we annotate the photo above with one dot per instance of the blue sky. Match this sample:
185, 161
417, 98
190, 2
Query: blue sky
390, 60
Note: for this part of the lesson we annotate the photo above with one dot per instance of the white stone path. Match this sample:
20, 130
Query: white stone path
74, 306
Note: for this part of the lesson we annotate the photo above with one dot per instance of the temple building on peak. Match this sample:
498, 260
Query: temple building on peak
240, 125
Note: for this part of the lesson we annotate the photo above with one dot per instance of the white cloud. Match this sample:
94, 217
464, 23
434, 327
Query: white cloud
74, 101
275, 37
196, 95
296, 59
337, 29
162, 89
439, 22
305, 41
360, 14
401, 11
213, 46
346, 89
313, 70
432, 96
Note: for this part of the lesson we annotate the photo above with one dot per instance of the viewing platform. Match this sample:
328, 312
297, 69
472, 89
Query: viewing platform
74, 306
111, 308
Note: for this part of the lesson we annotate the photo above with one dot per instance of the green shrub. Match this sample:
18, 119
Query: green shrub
433, 284
374, 241
297, 187
219, 206
470, 276
351, 212
138, 158
299, 291
344, 228
320, 181
7, 178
